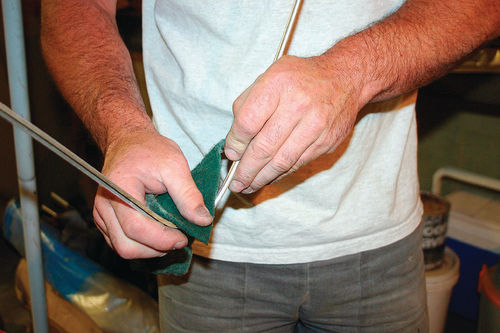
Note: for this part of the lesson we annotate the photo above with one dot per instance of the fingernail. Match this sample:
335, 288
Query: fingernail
179, 245
248, 190
231, 154
236, 186
203, 211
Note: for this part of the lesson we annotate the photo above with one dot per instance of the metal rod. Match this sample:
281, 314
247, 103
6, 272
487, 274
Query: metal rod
18, 88
281, 49
80, 164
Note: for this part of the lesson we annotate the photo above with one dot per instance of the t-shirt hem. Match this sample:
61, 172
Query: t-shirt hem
318, 252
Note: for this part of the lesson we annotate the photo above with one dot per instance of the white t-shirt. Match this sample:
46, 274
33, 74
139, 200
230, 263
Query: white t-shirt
200, 55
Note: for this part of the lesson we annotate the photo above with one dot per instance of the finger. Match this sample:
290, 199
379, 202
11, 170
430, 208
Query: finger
251, 111
291, 155
185, 194
99, 222
140, 228
238, 102
264, 146
325, 144
125, 246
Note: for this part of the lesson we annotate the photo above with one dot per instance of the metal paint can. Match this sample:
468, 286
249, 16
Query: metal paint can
434, 223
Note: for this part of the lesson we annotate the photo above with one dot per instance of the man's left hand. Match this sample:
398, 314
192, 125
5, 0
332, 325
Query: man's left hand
296, 111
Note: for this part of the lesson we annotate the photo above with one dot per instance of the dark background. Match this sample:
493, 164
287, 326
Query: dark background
458, 123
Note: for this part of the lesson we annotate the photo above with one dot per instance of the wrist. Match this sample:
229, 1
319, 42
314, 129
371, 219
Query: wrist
361, 62
123, 122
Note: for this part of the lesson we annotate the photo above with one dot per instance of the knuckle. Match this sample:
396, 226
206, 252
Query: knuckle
320, 147
299, 164
175, 153
191, 193
237, 104
303, 100
326, 145
235, 142
132, 228
258, 184
318, 121
245, 125
190, 197
284, 77
124, 250
242, 176
282, 164
262, 150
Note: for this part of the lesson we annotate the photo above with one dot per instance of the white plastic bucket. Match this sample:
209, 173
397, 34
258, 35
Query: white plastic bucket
439, 283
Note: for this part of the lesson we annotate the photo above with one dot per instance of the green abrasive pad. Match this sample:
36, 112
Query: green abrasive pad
206, 175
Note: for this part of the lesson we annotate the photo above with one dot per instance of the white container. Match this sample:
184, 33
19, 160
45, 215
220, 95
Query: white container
474, 220
439, 283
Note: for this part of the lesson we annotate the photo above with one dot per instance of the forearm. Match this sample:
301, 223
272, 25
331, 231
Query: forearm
92, 67
420, 42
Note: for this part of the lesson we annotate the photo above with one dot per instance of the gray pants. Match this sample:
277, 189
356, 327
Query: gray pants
382, 290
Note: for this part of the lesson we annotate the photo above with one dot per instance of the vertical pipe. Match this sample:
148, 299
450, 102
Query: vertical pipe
18, 87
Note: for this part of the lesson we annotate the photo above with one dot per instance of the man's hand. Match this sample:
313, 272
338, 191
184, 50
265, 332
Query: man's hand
93, 69
289, 116
145, 162
301, 108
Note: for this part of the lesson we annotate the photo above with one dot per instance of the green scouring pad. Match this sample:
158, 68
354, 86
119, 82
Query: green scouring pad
206, 175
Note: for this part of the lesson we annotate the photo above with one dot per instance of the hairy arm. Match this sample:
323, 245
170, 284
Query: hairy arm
93, 70
92, 67
301, 108
422, 41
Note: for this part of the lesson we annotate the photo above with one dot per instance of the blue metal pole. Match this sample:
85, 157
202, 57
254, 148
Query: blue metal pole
18, 87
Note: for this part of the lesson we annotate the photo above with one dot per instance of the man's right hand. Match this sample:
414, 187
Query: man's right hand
93, 70
140, 162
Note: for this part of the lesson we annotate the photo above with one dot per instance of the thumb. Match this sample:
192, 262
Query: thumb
186, 196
